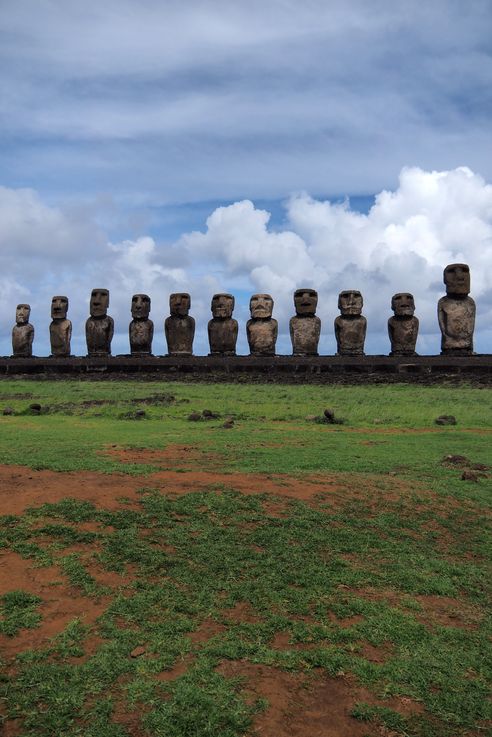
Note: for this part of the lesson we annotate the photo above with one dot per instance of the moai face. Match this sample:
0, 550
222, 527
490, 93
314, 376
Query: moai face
22, 314
140, 306
179, 304
222, 305
99, 302
305, 301
403, 304
59, 308
261, 306
350, 302
457, 279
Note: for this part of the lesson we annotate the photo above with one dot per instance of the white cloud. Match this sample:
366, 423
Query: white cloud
403, 243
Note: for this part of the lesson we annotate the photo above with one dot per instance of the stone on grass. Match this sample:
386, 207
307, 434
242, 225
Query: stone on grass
8, 411
228, 424
194, 417
445, 420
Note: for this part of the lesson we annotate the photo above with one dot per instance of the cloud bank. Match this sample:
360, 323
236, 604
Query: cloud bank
402, 244
170, 101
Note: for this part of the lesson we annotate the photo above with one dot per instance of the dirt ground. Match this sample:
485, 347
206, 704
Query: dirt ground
300, 705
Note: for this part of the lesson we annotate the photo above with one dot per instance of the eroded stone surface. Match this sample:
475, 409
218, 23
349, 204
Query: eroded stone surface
305, 326
403, 327
179, 327
261, 329
222, 328
60, 327
99, 327
141, 329
456, 312
350, 325
22, 332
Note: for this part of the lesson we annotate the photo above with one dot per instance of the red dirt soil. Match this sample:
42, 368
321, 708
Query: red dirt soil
299, 705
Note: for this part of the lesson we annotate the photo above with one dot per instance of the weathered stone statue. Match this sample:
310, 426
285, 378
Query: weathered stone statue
305, 326
351, 325
222, 328
179, 327
99, 327
456, 312
141, 329
403, 327
60, 327
23, 332
262, 329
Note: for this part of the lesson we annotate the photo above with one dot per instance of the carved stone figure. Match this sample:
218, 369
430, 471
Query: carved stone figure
23, 332
351, 325
403, 327
99, 327
141, 329
60, 327
456, 312
262, 329
305, 326
222, 328
179, 327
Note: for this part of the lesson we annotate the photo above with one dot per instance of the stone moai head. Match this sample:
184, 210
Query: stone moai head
99, 302
22, 314
261, 306
222, 306
59, 307
457, 280
140, 306
305, 301
403, 304
179, 304
350, 302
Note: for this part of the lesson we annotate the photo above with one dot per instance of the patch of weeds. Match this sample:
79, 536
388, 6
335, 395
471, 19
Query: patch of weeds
78, 575
18, 610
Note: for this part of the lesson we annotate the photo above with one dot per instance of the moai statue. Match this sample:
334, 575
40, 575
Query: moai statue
351, 325
262, 329
456, 312
179, 327
222, 328
141, 329
305, 326
99, 327
22, 333
60, 328
403, 327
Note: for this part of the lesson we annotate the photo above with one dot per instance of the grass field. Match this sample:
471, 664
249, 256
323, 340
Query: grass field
278, 577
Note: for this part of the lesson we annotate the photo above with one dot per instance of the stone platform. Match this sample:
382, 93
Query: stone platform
244, 369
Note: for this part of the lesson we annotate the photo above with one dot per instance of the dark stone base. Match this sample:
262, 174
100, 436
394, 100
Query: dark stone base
276, 369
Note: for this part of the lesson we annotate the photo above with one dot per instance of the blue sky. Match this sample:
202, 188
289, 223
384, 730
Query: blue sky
126, 124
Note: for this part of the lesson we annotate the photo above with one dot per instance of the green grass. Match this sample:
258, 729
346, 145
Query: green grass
405, 541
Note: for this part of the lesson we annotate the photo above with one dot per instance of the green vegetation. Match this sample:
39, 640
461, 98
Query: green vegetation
382, 576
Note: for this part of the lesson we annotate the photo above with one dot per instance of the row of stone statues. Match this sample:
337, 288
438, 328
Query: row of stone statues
456, 314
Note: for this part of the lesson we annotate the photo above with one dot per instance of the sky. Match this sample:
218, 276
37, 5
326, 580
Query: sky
158, 146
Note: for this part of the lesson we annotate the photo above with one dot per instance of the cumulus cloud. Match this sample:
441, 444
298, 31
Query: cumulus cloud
402, 244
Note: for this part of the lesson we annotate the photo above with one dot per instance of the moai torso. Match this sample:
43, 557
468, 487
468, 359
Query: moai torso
141, 333
456, 312
60, 327
350, 326
222, 328
403, 335
403, 327
305, 326
179, 327
262, 329
22, 332
99, 327
141, 329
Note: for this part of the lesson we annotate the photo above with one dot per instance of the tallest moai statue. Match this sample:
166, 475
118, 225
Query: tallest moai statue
456, 312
